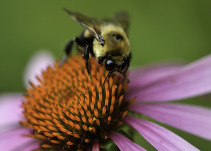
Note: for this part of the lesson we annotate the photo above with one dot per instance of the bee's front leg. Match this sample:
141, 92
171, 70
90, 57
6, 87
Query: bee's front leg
86, 58
127, 63
67, 50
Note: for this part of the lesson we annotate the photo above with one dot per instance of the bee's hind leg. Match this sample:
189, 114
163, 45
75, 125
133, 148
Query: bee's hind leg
67, 50
86, 58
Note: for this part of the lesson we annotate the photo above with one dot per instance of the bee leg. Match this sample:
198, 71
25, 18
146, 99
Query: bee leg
127, 63
126, 68
86, 58
67, 50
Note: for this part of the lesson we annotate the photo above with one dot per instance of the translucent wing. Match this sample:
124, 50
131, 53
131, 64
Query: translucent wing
93, 24
121, 19
90, 24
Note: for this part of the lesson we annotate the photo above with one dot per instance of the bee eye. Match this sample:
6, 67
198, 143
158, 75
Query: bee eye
118, 36
110, 65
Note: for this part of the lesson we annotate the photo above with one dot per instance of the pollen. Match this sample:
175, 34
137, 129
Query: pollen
71, 109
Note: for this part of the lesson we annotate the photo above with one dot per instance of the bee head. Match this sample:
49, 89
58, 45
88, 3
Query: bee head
112, 65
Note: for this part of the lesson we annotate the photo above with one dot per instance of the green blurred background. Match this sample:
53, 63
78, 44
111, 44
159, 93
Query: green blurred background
159, 30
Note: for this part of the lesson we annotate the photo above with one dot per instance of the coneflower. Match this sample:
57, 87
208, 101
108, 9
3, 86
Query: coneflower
71, 110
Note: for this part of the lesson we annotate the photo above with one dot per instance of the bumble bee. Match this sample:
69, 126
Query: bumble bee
105, 39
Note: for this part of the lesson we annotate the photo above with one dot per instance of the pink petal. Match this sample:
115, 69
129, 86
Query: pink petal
143, 76
159, 137
95, 146
124, 143
32, 146
15, 140
10, 110
195, 120
191, 80
37, 64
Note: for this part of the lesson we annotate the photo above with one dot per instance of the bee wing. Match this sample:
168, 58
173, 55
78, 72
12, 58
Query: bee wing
89, 24
121, 18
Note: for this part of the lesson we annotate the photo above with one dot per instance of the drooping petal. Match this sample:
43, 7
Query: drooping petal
189, 81
95, 146
192, 119
37, 64
10, 110
14, 140
31, 146
143, 76
124, 143
159, 137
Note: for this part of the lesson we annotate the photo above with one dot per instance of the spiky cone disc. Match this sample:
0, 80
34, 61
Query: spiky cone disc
70, 109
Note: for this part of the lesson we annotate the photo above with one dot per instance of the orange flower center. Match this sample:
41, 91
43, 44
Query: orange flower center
70, 109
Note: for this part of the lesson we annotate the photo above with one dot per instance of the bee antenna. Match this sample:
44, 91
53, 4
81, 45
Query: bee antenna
122, 74
108, 76
125, 77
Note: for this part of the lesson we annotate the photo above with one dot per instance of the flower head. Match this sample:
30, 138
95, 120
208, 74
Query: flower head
71, 110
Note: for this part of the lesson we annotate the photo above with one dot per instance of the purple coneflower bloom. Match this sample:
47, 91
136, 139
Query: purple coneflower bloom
153, 86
